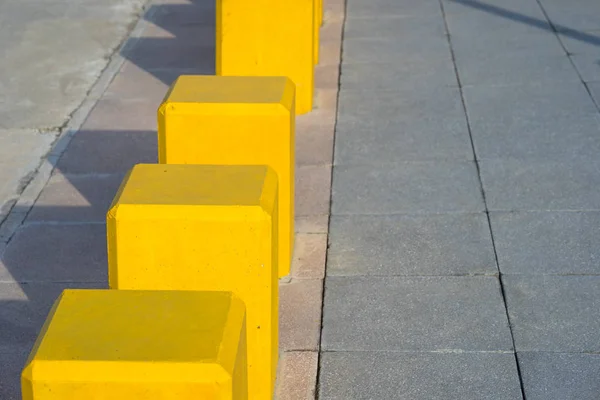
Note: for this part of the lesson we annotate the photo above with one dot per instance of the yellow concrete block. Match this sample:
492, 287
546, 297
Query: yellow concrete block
268, 38
235, 121
318, 13
203, 227
124, 345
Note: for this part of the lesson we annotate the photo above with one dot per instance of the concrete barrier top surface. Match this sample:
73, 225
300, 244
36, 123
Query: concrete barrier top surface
209, 92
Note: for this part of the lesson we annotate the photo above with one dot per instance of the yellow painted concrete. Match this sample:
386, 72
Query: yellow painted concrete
153, 345
318, 14
203, 227
268, 38
232, 121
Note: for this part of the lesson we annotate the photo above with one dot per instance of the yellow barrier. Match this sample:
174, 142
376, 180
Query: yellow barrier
200, 227
233, 121
123, 345
317, 19
268, 38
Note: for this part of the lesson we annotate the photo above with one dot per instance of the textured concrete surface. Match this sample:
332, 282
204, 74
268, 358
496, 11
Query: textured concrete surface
52, 52
463, 236
392, 313
391, 375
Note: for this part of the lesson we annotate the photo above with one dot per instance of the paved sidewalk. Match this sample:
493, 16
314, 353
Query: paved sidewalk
463, 256
51, 53
60, 242
462, 251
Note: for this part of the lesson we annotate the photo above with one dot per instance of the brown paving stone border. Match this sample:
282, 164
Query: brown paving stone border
301, 295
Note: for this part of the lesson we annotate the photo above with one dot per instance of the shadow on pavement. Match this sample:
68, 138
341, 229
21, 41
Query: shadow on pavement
62, 242
531, 21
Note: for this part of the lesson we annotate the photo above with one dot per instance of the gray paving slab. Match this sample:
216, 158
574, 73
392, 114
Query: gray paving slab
394, 50
20, 155
554, 313
75, 198
409, 187
499, 44
410, 245
13, 362
56, 253
412, 72
506, 68
516, 104
557, 120
594, 88
108, 152
550, 185
498, 15
378, 8
411, 124
581, 42
588, 66
580, 15
414, 313
381, 375
547, 242
40, 89
560, 375
400, 28
565, 137
502, 9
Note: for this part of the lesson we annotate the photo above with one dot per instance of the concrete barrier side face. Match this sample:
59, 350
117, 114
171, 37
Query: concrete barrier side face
269, 38
248, 138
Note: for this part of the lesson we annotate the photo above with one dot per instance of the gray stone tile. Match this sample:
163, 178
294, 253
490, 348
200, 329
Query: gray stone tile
573, 15
76, 198
581, 42
511, 10
565, 137
13, 362
551, 185
410, 245
547, 242
410, 187
503, 43
394, 50
412, 72
509, 69
554, 313
524, 16
532, 119
108, 151
560, 375
395, 28
595, 91
414, 313
379, 8
21, 152
39, 89
56, 253
401, 125
588, 66
511, 106
466, 376
152, 53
